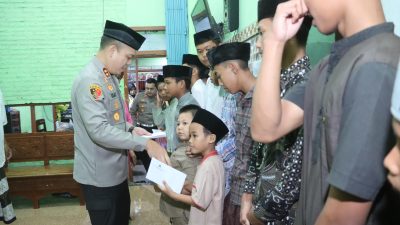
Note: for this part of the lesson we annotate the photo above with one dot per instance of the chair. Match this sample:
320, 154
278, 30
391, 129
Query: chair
41, 125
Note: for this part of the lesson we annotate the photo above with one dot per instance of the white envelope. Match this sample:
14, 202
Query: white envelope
159, 172
156, 134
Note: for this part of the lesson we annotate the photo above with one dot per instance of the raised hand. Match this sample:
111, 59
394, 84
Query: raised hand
287, 20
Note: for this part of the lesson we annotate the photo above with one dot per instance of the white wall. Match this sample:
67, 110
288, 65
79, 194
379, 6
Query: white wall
392, 13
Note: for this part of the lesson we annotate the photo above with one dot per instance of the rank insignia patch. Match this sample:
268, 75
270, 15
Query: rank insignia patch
116, 104
106, 72
96, 92
110, 87
116, 117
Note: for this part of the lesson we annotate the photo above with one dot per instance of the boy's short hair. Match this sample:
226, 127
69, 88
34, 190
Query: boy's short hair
267, 9
160, 80
184, 79
151, 81
194, 61
211, 123
190, 108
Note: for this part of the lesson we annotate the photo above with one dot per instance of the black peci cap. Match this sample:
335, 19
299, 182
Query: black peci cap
176, 71
124, 34
211, 122
229, 51
191, 60
267, 8
160, 79
204, 36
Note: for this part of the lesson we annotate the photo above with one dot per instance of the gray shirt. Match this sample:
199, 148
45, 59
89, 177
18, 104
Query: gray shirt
100, 129
356, 167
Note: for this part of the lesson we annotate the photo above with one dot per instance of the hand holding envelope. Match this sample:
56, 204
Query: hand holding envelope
159, 172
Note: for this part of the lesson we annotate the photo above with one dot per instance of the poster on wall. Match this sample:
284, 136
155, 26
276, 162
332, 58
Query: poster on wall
255, 56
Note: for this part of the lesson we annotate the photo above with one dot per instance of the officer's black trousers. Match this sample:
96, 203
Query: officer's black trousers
108, 205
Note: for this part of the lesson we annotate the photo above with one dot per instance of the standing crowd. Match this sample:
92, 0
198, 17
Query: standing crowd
293, 144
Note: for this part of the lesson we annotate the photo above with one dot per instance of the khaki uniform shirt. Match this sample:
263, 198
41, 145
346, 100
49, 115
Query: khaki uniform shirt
143, 115
100, 129
208, 191
181, 162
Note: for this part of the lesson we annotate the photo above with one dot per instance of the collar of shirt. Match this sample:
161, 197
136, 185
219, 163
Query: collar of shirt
184, 97
212, 153
340, 48
99, 65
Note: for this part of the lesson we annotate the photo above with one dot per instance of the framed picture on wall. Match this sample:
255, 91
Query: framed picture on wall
255, 56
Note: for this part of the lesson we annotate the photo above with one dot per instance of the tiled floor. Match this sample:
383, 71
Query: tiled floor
61, 211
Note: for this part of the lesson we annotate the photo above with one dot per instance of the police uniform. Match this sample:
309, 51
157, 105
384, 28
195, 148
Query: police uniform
101, 136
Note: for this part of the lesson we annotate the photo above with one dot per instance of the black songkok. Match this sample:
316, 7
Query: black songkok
160, 79
211, 123
177, 71
191, 60
267, 8
229, 51
204, 36
124, 34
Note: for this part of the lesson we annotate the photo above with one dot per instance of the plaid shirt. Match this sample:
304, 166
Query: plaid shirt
226, 147
244, 146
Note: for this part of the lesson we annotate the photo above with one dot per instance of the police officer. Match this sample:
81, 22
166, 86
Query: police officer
101, 133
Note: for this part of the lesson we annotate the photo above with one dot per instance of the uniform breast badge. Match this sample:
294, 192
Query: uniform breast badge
110, 87
116, 104
105, 71
116, 117
96, 92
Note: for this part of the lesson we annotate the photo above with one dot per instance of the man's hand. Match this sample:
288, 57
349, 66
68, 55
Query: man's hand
245, 208
287, 21
140, 131
155, 150
159, 101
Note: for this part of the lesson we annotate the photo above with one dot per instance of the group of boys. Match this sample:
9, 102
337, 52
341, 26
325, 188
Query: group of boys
326, 130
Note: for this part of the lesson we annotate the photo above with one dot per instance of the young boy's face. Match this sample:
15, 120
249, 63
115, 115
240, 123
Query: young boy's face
202, 50
199, 141
227, 77
171, 86
182, 127
392, 160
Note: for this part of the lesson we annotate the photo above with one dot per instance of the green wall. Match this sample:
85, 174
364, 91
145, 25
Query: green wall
318, 44
45, 43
